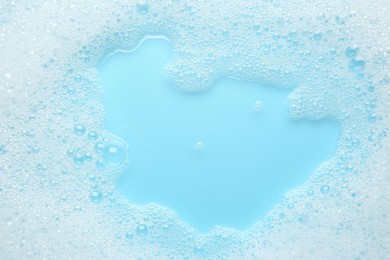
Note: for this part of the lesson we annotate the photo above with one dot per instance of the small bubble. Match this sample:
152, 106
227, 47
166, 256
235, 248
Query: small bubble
91, 178
258, 106
276, 37
78, 159
349, 168
324, 189
77, 78
34, 150
198, 250
310, 193
141, 230
129, 235
71, 91
100, 164
2, 149
96, 196
372, 118
87, 156
317, 36
41, 167
142, 7
351, 52
79, 130
355, 143
92, 136
302, 220
198, 145
115, 153
99, 147
70, 153
282, 215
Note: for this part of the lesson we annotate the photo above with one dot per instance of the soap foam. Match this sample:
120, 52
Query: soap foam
58, 197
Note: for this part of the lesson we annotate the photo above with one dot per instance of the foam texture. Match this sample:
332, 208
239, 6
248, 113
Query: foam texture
57, 177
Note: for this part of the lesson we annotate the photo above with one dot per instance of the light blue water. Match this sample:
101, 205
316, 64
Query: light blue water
223, 156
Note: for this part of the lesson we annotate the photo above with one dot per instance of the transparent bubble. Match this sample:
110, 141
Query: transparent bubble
100, 164
290, 206
129, 235
356, 64
324, 189
78, 159
79, 130
310, 193
96, 196
258, 106
99, 147
70, 153
87, 156
198, 145
199, 250
91, 177
317, 36
2, 149
77, 78
142, 7
115, 153
141, 230
71, 91
92, 136
77, 208
351, 52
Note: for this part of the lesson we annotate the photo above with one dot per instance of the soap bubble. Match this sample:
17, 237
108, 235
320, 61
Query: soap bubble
198, 145
2, 149
92, 136
100, 164
142, 7
79, 130
199, 250
351, 52
258, 106
78, 159
115, 153
324, 189
87, 156
96, 196
357, 64
141, 230
129, 235
99, 147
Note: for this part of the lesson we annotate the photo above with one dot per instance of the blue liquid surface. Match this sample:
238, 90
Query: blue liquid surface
219, 157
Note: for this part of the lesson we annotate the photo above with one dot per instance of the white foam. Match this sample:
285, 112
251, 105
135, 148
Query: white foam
49, 84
